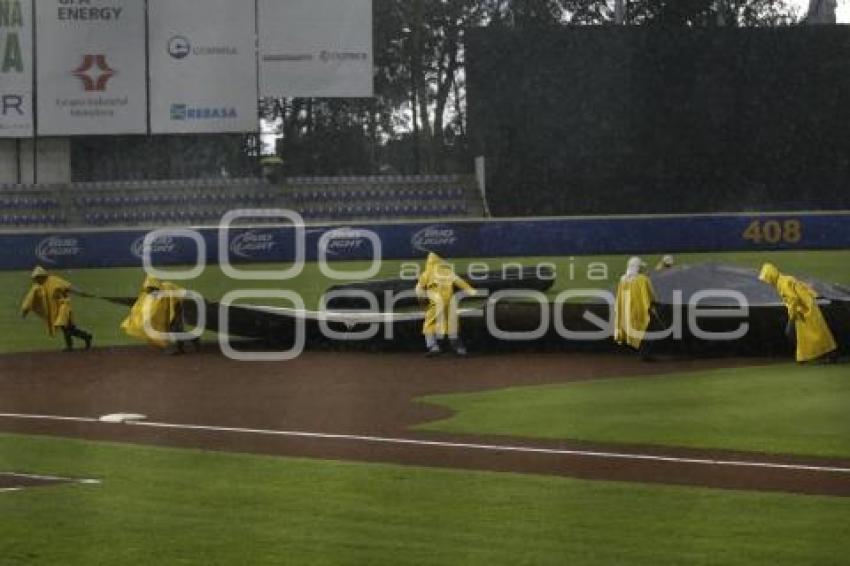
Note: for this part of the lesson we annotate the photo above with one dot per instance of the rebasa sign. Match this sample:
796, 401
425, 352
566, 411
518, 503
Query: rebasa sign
203, 72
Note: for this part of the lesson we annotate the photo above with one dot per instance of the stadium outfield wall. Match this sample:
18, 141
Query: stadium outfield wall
567, 236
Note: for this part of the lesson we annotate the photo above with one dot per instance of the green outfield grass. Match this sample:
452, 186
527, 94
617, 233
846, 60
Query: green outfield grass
104, 318
787, 409
165, 506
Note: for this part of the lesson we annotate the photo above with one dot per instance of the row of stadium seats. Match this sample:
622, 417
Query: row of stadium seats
28, 202
371, 193
29, 206
337, 212
348, 211
146, 185
151, 203
172, 216
347, 198
115, 201
16, 187
372, 179
32, 220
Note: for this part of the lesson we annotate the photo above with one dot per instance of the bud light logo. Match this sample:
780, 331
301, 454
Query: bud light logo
343, 241
250, 244
163, 245
433, 237
51, 249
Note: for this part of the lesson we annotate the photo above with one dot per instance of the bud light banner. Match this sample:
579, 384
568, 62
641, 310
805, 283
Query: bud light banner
16, 67
91, 67
345, 242
55, 250
203, 67
260, 245
101, 249
461, 239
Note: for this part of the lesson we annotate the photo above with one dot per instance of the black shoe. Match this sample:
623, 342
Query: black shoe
830, 358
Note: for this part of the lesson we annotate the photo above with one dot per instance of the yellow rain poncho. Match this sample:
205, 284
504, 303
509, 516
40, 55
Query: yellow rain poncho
161, 310
438, 283
635, 297
49, 298
814, 339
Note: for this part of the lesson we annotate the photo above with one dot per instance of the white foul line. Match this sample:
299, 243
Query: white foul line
47, 418
47, 478
457, 445
37, 477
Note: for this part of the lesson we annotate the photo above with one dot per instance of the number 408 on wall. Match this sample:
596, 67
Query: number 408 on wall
774, 231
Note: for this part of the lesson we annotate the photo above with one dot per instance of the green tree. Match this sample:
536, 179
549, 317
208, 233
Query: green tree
739, 13
417, 120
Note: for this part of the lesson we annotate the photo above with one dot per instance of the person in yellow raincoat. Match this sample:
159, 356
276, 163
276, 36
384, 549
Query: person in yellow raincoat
635, 312
814, 338
50, 298
164, 312
437, 284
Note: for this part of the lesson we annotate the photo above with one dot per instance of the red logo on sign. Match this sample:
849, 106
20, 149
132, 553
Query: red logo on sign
94, 72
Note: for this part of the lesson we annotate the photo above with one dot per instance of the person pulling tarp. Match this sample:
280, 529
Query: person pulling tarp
161, 303
437, 284
50, 298
813, 337
635, 311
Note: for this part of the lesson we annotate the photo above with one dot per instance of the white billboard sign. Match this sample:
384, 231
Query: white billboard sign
91, 67
203, 66
316, 48
16, 65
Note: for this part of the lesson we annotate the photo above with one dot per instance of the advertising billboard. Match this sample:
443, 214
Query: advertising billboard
203, 66
91, 67
16, 67
316, 48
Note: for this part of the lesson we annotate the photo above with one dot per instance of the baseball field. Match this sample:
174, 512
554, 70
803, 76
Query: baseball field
366, 457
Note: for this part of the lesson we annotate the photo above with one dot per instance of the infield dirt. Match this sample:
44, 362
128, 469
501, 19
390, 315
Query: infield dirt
360, 406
